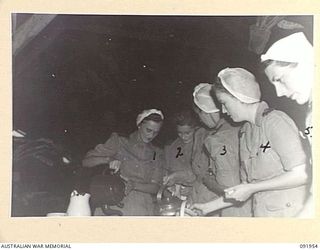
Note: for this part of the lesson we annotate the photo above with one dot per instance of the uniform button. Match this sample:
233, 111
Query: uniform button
137, 166
288, 204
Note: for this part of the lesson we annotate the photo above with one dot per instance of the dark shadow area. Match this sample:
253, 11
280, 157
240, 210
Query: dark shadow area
83, 77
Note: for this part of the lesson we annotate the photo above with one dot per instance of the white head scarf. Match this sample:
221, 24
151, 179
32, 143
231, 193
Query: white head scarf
146, 113
203, 99
294, 48
241, 84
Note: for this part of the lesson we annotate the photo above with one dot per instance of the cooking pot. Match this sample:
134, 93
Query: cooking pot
107, 189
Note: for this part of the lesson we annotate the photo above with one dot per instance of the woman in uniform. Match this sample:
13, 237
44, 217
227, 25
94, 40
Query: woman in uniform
289, 66
273, 162
188, 152
222, 148
178, 155
139, 162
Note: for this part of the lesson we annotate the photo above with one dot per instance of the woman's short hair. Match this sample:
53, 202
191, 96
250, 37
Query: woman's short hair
218, 87
196, 109
185, 117
269, 62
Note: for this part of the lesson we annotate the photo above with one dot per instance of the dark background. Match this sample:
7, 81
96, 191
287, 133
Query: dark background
84, 76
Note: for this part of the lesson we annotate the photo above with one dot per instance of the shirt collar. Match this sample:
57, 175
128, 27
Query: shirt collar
220, 123
135, 139
259, 113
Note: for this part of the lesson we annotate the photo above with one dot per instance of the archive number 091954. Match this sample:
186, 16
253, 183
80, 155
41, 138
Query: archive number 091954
308, 246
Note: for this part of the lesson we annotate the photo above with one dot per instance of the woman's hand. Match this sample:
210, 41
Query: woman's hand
185, 191
199, 209
130, 185
169, 180
240, 192
115, 165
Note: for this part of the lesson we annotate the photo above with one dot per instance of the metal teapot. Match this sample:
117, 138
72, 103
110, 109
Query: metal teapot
168, 204
107, 189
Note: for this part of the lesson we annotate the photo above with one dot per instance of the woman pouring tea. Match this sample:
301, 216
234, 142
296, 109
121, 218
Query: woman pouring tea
137, 159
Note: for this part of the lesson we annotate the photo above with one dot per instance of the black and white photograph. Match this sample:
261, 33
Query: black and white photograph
162, 115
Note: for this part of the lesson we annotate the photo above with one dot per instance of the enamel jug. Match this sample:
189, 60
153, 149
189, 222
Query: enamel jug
79, 204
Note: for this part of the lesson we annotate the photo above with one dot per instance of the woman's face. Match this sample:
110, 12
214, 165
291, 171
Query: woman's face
293, 82
148, 130
185, 132
231, 106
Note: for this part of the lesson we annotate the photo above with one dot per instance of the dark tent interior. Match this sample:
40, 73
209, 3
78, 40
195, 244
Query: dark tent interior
78, 78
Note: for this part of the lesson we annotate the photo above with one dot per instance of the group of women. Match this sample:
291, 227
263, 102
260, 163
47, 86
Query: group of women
255, 166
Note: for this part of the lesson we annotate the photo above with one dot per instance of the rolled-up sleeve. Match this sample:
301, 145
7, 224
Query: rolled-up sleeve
109, 149
284, 139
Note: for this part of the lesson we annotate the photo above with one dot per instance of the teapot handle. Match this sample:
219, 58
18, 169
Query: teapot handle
160, 192
108, 171
182, 208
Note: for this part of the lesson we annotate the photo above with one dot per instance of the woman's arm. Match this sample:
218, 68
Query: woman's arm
292, 178
150, 188
186, 178
211, 206
102, 153
92, 161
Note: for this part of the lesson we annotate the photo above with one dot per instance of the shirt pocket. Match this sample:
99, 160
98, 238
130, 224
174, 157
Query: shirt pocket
265, 165
276, 201
283, 203
131, 168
